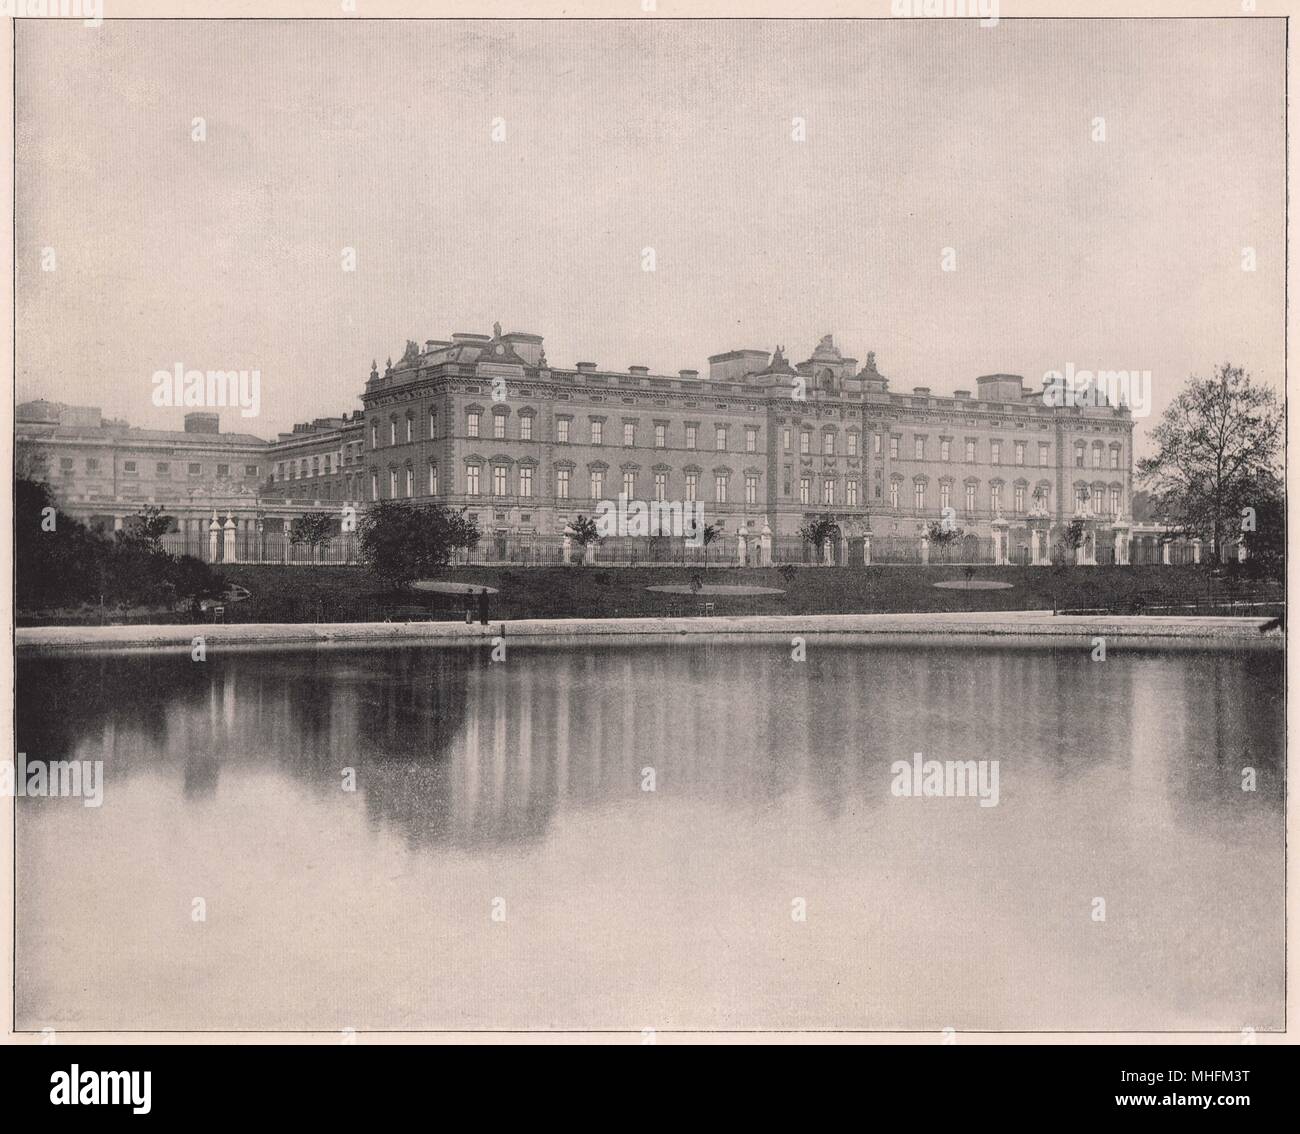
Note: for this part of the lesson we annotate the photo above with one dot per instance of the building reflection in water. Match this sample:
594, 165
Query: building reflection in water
452, 749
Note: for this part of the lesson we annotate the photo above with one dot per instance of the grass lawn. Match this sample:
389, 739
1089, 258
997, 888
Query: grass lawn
349, 594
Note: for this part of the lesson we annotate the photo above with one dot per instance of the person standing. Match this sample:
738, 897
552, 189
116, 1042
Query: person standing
483, 607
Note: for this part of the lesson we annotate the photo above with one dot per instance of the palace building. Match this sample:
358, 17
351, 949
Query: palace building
485, 422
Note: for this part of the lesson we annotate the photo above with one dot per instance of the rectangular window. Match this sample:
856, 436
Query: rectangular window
918, 448
128, 467
597, 432
374, 434
562, 431
629, 485
433, 480
1096, 456
995, 498
327, 464
692, 486
471, 480
392, 434
526, 427
374, 484
562, 483
785, 439
162, 468
893, 494
805, 442
995, 452
945, 496
751, 490
828, 444
250, 470
720, 488
853, 444
851, 489
828, 492
970, 452
661, 436
661, 486
1114, 501
1020, 452
433, 422
525, 481
410, 481
918, 496
893, 448
498, 480
223, 470
1042, 453
690, 437
945, 450
194, 470
1114, 458
751, 439
720, 438
875, 444
410, 430
629, 433
597, 484
471, 425
1078, 456
392, 484
970, 499
805, 488
1020, 498
499, 426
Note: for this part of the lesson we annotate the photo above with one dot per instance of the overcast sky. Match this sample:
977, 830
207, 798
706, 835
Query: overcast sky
621, 136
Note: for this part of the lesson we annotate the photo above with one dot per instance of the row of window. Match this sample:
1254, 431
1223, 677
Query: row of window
67, 467
1085, 499
1019, 450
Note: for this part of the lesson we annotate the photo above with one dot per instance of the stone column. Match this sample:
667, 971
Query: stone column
866, 548
1121, 543
567, 551
1000, 529
925, 550
229, 542
844, 549
213, 528
765, 546
828, 554
589, 555
1164, 553
741, 549
1196, 551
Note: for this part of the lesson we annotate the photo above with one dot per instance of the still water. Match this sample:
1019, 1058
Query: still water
501, 864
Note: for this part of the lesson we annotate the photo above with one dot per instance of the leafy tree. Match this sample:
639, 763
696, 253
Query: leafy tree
401, 541
315, 529
939, 534
1263, 529
817, 530
146, 528
583, 531
1216, 443
708, 534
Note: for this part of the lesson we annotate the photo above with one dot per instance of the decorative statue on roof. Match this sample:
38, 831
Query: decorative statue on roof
871, 360
827, 343
412, 351
374, 371
541, 361
779, 356
496, 330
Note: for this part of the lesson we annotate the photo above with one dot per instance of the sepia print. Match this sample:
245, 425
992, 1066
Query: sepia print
649, 525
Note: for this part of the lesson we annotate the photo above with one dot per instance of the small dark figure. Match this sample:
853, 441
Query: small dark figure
483, 607
196, 609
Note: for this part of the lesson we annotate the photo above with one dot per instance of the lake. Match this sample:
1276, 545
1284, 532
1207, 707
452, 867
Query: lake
692, 834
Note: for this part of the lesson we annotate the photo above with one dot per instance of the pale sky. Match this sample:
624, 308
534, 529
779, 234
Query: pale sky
620, 136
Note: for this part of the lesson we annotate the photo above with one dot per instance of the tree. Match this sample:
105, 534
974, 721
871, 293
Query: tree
817, 530
401, 541
584, 532
1263, 530
313, 529
146, 528
939, 534
1217, 443
708, 534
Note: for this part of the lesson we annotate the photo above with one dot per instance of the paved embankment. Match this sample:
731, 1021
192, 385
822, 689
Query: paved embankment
999, 625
